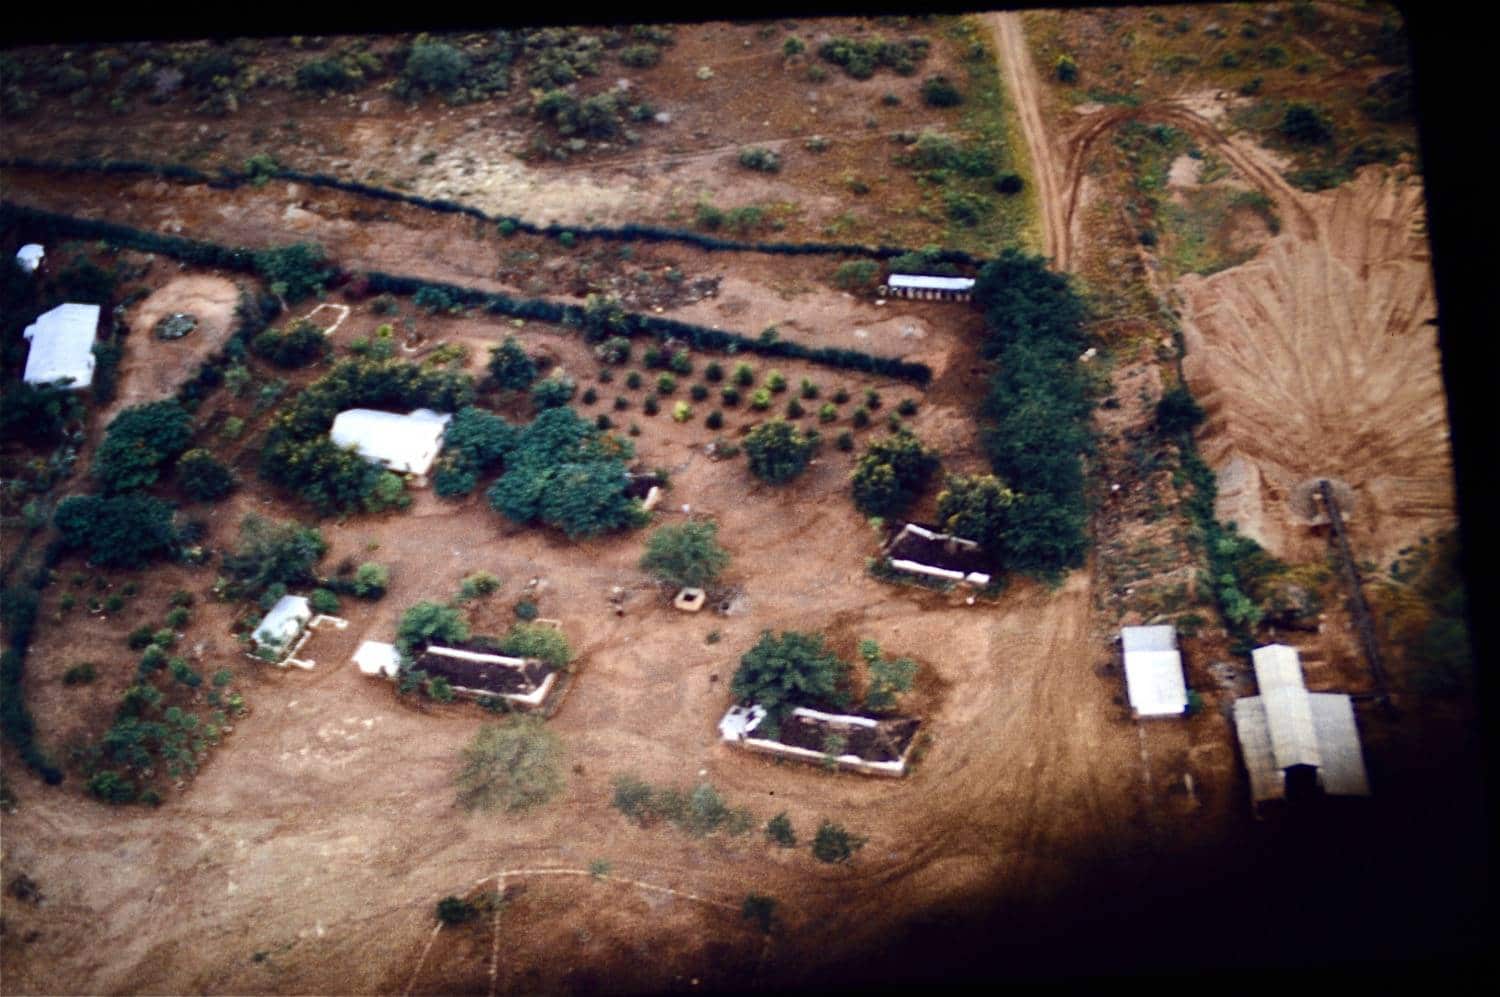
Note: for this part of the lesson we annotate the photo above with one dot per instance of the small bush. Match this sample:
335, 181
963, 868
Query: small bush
526, 610
371, 580
845, 441
744, 374
666, 384
323, 601
650, 406
760, 909
682, 412
730, 396
1066, 69
715, 419
939, 91
779, 830
178, 617
834, 844
760, 159
452, 911
633, 380
776, 381
794, 409
80, 674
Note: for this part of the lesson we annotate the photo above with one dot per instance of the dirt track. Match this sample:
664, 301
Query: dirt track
1318, 357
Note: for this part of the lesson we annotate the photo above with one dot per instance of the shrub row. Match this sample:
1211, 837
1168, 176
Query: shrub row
47, 224
1038, 409
18, 609
631, 324
230, 179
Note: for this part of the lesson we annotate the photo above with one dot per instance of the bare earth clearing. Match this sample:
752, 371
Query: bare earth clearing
308, 853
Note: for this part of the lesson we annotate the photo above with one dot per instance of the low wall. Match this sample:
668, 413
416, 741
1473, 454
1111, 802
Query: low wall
848, 763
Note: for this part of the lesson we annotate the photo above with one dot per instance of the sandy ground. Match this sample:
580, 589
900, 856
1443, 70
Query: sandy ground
152, 368
1320, 358
309, 852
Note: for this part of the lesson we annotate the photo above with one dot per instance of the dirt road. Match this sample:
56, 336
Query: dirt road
1023, 86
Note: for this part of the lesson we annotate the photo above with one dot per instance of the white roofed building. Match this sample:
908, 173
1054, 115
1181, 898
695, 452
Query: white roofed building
1153, 671
904, 285
406, 444
284, 623
1286, 730
29, 257
62, 346
378, 658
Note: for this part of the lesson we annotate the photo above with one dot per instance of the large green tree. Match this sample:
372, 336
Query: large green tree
777, 451
138, 443
120, 531
787, 670
429, 622
975, 507
686, 555
891, 474
510, 366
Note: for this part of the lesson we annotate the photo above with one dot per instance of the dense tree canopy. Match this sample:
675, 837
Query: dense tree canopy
122, 531
792, 669
429, 622
686, 554
201, 476
892, 474
510, 366
975, 507
1038, 409
138, 443
563, 472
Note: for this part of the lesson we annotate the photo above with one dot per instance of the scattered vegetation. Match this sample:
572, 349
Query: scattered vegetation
686, 555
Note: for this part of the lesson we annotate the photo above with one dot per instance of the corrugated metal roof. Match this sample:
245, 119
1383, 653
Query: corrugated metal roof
407, 444
1162, 638
1294, 739
922, 282
1277, 666
62, 345
1154, 682
1267, 782
1343, 770
1330, 719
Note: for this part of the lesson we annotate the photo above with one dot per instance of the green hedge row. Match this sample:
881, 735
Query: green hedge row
18, 608
229, 179
47, 224
697, 336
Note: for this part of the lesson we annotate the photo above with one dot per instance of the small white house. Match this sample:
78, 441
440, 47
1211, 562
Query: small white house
62, 346
378, 659
406, 444
930, 288
284, 623
29, 257
1153, 671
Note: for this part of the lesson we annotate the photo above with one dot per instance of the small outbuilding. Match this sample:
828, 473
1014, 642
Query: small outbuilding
284, 623
1153, 671
930, 288
1290, 737
406, 444
921, 550
378, 659
62, 346
29, 257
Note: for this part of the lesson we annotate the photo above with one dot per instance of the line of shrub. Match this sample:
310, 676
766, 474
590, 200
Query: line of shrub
47, 224
630, 324
1038, 409
229, 179
18, 609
